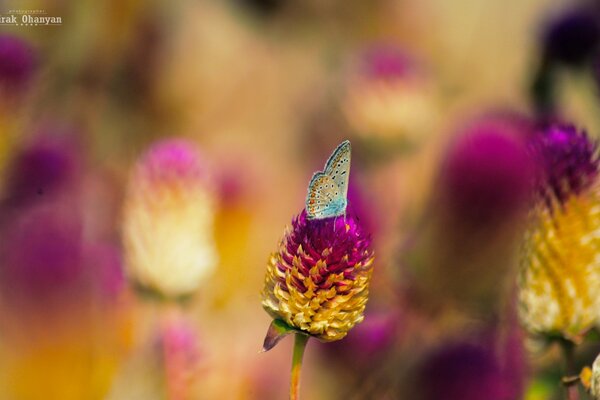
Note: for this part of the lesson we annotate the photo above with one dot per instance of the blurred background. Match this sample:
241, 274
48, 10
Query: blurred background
437, 98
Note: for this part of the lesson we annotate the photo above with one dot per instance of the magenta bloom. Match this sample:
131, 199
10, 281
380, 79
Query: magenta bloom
41, 259
488, 174
568, 158
181, 355
572, 37
17, 62
463, 371
171, 160
45, 167
318, 280
388, 63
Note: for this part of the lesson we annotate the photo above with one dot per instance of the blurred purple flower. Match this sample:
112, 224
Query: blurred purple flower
41, 255
171, 160
17, 62
386, 62
487, 173
181, 355
462, 371
44, 167
572, 37
568, 160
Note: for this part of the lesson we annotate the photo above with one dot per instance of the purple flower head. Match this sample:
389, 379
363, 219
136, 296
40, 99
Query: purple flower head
462, 371
41, 257
341, 238
568, 161
487, 173
573, 37
181, 354
387, 63
43, 168
318, 279
17, 61
172, 161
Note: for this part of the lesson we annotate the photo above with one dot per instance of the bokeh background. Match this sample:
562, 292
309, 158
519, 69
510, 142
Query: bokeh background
437, 98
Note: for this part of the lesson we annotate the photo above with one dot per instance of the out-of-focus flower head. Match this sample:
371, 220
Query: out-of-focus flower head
483, 189
591, 378
572, 37
46, 166
168, 220
41, 235
42, 256
387, 63
181, 355
568, 160
463, 371
390, 98
487, 174
560, 275
17, 62
318, 280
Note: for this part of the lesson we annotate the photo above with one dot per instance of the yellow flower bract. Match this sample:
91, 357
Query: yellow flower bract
559, 281
327, 311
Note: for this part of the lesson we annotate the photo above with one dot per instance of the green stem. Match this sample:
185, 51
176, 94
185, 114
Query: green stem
299, 346
568, 348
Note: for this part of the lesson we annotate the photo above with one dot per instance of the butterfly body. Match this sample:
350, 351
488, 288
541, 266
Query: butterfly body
328, 189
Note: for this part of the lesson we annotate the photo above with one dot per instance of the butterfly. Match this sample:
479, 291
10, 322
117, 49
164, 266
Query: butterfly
328, 189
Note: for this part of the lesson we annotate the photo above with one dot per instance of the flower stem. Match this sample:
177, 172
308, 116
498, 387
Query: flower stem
568, 348
299, 346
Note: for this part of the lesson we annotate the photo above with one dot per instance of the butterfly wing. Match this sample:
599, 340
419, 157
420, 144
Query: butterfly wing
338, 166
324, 198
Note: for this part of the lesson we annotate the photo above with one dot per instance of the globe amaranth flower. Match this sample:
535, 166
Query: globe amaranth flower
487, 175
42, 257
590, 378
465, 371
168, 220
573, 36
390, 97
318, 280
17, 62
180, 353
559, 275
45, 167
483, 188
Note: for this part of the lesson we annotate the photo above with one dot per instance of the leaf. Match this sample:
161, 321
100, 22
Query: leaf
277, 331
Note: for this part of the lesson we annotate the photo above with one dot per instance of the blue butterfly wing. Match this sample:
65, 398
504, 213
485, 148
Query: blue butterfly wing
324, 198
338, 166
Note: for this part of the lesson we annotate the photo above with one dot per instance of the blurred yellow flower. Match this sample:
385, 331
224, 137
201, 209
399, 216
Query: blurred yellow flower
560, 263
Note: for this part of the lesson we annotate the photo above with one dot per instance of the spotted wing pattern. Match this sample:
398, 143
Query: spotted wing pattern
338, 166
328, 189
